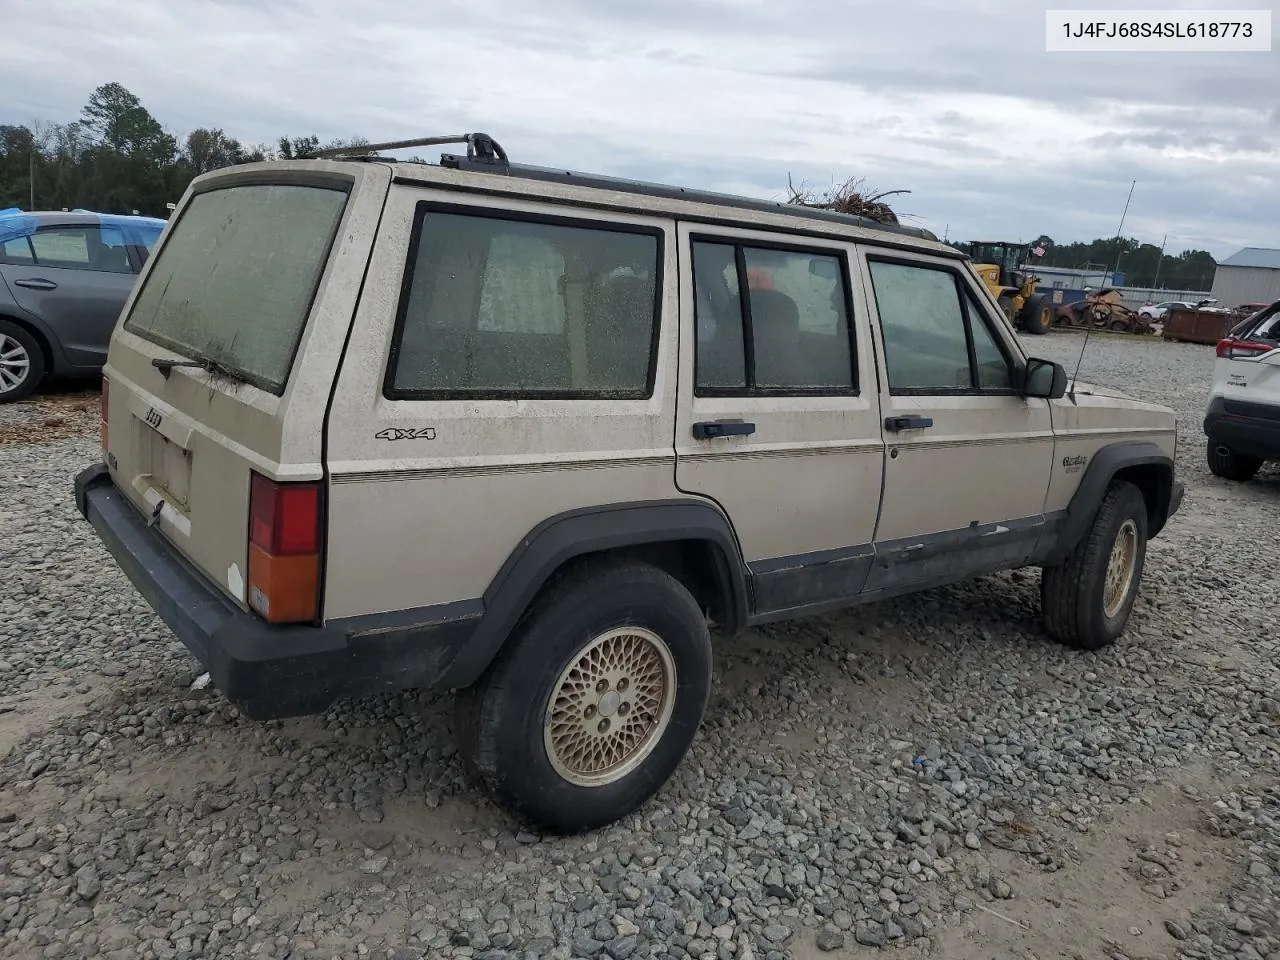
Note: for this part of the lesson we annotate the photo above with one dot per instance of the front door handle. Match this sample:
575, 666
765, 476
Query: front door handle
709, 430
907, 423
37, 284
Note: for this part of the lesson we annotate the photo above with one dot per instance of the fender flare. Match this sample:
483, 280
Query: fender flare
1102, 469
564, 537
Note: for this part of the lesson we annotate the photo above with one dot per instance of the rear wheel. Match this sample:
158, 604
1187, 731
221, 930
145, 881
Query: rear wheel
21, 362
1231, 466
1038, 316
594, 700
1088, 597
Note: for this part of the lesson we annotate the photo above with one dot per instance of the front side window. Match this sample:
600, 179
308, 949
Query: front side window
235, 280
992, 365
935, 337
504, 307
791, 331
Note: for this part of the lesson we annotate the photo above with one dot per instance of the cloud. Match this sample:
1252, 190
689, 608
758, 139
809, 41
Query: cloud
956, 101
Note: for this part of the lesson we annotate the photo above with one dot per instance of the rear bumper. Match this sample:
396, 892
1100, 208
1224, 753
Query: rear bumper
1249, 429
269, 671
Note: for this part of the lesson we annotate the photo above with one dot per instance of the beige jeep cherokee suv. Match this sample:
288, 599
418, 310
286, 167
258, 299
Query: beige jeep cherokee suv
524, 434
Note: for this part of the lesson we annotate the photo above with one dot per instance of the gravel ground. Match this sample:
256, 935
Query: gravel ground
930, 776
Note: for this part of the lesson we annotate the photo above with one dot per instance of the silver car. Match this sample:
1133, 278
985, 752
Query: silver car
63, 279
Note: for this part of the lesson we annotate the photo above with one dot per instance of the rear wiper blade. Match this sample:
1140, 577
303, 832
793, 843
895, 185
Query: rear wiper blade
166, 364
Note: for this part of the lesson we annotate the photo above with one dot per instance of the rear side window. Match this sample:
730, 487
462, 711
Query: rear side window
235, 279
495, 306
16, 250
99, 249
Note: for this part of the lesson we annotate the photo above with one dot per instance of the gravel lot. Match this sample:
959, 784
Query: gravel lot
930, 776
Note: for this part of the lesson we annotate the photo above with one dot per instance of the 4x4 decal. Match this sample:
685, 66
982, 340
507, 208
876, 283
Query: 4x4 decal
398, 433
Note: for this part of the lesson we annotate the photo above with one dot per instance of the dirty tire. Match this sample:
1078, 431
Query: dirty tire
1231, 466
1038, 316
1072, 593
23, 360
501, 721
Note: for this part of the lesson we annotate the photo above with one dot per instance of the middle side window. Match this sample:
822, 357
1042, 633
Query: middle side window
770, 321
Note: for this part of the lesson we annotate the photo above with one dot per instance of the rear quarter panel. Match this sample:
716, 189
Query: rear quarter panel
429, 518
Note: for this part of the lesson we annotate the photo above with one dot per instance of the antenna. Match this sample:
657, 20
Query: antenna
1089, 329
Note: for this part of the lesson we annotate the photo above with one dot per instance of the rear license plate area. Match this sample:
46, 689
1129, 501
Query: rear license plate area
167, 465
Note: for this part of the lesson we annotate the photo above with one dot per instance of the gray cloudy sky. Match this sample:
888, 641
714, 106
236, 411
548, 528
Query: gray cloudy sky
953, 99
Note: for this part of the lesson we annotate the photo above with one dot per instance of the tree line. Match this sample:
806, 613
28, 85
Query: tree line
118, 158
1143, 264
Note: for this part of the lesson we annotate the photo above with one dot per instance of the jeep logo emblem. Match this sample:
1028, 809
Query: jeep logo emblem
153, 418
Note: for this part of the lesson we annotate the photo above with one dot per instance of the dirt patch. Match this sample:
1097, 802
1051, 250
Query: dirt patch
44, 419
26, 714
1150, 862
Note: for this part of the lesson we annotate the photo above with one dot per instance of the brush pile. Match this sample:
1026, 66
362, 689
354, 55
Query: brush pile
849, 197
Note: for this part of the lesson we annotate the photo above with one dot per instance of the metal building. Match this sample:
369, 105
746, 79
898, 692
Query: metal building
1250, 276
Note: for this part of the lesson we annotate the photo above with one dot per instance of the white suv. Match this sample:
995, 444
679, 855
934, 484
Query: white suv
1243, 418
526, 434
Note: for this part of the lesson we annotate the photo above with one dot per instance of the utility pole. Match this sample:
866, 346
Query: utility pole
31, 173
1155, 284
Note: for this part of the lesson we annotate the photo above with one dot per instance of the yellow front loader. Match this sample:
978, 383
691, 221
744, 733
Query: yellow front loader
1004, 269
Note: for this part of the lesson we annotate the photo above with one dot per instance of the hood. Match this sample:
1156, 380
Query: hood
1093, 390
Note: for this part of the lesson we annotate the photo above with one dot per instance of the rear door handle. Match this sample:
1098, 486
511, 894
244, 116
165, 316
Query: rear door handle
907, 423
709, 430
37, 284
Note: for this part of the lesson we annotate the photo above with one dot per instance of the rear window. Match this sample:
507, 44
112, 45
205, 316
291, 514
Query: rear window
235, 279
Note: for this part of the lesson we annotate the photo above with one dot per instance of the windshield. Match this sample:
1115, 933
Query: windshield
235, 279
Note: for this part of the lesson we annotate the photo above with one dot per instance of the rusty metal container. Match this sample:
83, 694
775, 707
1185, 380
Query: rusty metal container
1197, 326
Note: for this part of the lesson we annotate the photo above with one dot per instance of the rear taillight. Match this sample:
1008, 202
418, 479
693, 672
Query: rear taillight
284, 550
1232, 349
102, 412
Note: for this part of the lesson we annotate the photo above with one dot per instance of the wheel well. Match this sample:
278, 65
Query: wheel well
45, 350
1156, 483
697, 564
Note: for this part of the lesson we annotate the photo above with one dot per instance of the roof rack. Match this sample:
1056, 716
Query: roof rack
481, 147
485, 155
645, 188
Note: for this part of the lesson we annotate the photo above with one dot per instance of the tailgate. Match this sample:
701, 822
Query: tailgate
246, 302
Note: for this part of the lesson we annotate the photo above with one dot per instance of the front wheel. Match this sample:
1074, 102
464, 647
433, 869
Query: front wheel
1087, 599
1038, 316
594, 700
1006, 305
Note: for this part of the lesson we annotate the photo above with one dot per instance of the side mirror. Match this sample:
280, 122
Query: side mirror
1044, 379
